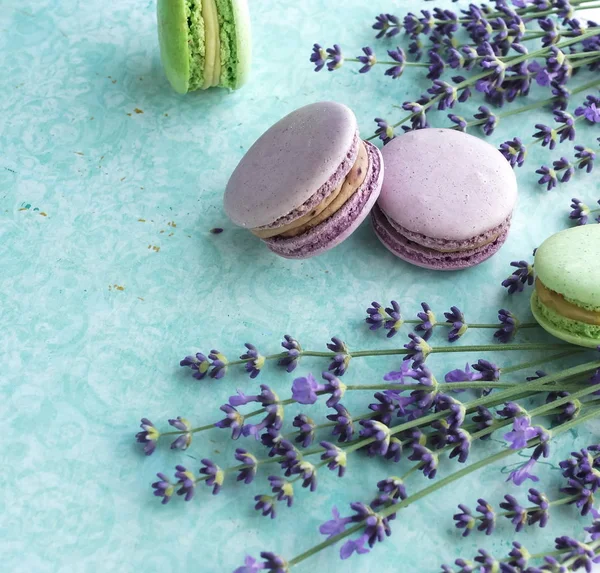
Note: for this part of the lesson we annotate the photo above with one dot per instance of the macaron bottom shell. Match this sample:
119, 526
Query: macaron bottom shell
429, 258
342, 223
567, 329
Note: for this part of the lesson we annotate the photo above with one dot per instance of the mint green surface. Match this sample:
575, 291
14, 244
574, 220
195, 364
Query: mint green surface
97, 305
173, 40
569, 263
572, 331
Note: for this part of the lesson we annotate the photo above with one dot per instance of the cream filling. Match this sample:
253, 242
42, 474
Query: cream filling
332, 203
212, 62
558, 304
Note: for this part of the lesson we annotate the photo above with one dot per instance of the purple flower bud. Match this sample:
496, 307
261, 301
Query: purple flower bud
388, 25
369, 60
149, 436
283, 489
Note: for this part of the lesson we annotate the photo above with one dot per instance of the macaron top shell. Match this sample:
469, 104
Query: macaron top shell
446, 184
569, 263
290, 163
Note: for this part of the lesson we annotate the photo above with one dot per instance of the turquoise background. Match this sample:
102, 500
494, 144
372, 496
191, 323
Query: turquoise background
109, 276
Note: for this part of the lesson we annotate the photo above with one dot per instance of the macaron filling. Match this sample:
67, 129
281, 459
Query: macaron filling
196, 43
329, 205
564, 308
212, 60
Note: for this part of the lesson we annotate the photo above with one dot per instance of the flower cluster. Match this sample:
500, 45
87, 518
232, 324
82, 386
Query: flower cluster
523, 275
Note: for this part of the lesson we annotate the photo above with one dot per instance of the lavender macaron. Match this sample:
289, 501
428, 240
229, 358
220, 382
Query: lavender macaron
446, 201
307, 183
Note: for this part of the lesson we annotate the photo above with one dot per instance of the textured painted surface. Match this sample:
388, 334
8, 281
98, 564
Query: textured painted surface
111, 275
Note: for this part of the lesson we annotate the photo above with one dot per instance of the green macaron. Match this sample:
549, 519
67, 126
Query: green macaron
566, 300
204, 43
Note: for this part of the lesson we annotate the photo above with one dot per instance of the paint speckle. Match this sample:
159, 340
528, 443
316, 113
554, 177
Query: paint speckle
142, 220
162, 231
216, 231
154, 248
78, 152
140, 298
116, 287
43, 214
170, 234
129, 114
138, 110
166, 115
123, 178
172, 224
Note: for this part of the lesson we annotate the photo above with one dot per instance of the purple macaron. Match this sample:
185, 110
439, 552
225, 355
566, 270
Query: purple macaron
446, 201
307, 183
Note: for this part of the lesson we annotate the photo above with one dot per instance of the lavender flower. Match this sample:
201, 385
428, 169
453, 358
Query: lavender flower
567, 129
563, 164
521, 433
585, 157
583, 555
462, 439
198, 363
419, 117
283, 489
385, 132
484, 419
233, 420
336, 525
248, 473
460, 122
428, 321
148, 436
384, 408
548, 178
436, 69
517, 514
335, 458
585, 496
514, 151
215, 474
457, 320
523, 275
580, 211
508, 326
308, 473
183, 441
369, 60
446, 93
266, 505
546, 134
393, 487
271, 439
218, 365
428, 460
344, 427
489, 119
305, 389
339, 363
590, 109
332, 56
255, 360
396, 70
541, 513
418, 349
380, 434
512, 410
594, 530
306, 430
387, 24
522, 473
163, 488
487, 516
464, 520
186, 483
294, 351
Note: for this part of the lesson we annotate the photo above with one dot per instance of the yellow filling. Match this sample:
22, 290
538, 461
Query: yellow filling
212, 62
558, 304
330, 205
